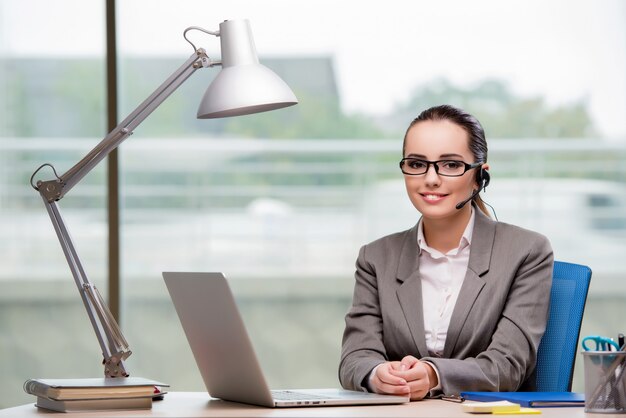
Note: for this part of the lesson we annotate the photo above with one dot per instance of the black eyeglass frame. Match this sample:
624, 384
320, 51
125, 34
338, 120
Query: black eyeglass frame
436, 165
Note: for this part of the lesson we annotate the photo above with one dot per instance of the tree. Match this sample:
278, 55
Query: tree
502, 114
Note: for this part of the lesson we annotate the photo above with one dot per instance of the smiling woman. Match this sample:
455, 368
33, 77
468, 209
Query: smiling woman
474, 293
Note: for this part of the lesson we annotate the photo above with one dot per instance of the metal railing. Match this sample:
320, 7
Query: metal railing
243, 203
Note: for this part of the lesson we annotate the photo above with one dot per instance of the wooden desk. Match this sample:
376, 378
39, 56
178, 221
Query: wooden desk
199, 404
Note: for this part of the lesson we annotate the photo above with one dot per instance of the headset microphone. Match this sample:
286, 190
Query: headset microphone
483, 179
463, 203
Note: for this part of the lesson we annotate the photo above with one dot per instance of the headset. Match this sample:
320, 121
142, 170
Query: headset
482, 178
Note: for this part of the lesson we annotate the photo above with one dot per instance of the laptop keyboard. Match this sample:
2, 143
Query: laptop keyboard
288, 395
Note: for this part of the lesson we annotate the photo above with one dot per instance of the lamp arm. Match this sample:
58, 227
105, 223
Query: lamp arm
57, 188
112, 342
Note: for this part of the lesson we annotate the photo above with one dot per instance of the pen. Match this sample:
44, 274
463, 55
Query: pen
620, 341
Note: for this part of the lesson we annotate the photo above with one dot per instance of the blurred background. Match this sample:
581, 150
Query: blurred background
281, 202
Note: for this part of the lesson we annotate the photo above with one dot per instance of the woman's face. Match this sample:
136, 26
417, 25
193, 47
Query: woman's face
433, 195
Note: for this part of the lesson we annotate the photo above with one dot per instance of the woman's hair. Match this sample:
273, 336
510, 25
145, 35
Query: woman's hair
475, 133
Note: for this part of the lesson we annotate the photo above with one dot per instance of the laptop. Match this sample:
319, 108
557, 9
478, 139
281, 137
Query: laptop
223, 351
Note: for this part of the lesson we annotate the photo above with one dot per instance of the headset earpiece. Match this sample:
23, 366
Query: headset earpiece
486, 178
482, 178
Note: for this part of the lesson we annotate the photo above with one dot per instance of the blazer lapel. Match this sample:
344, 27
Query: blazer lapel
410, 291
479, 261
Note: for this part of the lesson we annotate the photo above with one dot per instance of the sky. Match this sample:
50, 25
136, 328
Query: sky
562, 50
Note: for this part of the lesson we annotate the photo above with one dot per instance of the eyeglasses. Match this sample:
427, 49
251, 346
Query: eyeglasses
448, 168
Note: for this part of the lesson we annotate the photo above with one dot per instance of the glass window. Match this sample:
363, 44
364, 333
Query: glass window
281, 202
51, 111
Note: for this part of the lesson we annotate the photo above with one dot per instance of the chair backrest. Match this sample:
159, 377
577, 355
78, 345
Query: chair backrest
557, 350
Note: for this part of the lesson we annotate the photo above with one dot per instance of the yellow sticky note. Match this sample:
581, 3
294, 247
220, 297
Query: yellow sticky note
521, 411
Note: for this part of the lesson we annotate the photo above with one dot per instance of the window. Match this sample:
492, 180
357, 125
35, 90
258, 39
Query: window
51, 110
281, 202
609, 211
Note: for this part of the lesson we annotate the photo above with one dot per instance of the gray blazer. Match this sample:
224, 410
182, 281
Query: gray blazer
496, 325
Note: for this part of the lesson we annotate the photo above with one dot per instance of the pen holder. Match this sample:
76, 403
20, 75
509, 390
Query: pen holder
605, 381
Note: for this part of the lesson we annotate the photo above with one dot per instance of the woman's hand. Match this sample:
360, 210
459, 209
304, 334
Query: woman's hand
386, 382
407, 377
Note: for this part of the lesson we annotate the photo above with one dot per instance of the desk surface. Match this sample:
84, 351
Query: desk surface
199, 404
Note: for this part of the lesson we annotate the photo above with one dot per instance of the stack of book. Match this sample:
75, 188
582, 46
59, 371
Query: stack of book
99, 394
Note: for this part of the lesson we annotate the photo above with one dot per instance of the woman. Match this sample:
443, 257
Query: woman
459, 302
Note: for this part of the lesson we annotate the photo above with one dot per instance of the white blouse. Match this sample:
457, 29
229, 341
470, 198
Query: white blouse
442, 278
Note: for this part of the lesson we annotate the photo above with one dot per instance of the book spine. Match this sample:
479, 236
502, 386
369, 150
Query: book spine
94, 404
36, 388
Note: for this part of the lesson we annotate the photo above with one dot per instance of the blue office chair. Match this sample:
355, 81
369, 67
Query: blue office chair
557, 350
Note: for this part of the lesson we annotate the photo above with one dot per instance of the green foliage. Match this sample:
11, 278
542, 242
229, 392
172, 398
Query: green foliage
502, 113
69, 102
80, 91
53, 98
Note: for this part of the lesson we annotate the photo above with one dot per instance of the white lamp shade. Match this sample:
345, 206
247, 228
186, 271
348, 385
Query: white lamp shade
243, 86
245, 89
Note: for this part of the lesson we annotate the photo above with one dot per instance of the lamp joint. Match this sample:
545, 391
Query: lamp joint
51, 190
114, 368
203, 60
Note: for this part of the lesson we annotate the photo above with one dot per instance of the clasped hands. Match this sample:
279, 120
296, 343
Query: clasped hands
409, 376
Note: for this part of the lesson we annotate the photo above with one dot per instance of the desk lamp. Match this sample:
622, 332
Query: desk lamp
242, 87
